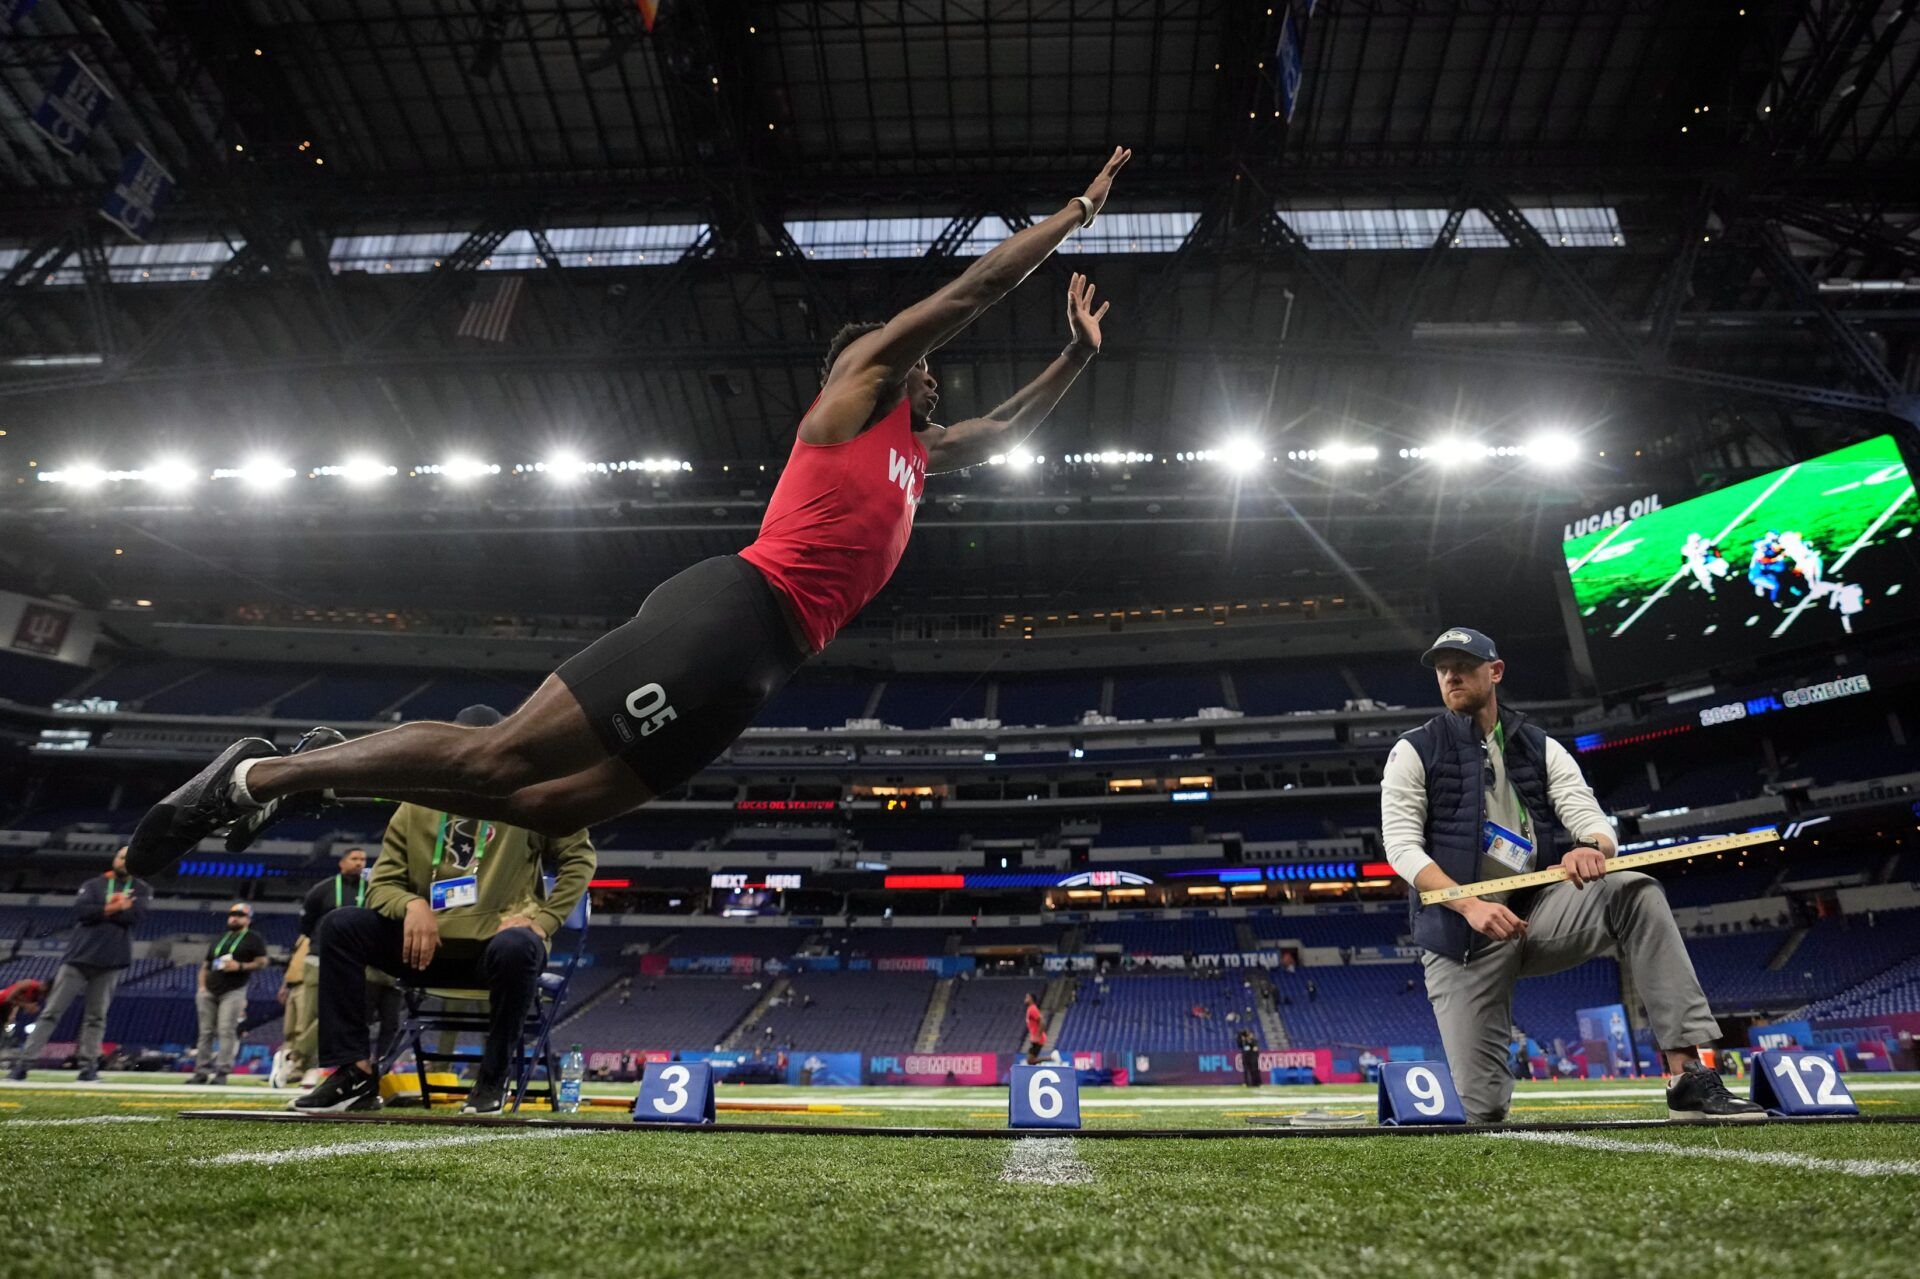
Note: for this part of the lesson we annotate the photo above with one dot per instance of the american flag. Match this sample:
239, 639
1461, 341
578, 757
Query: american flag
490, 313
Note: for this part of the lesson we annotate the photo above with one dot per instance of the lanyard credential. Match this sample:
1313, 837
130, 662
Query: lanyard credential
114, 886
479, 844
1500, 744
359, 890
228, 944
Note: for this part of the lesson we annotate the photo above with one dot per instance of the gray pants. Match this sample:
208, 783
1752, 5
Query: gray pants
98, 983
1624, 915
221, 1013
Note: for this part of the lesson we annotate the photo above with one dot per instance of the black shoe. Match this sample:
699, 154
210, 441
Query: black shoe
484, 1099
309, 803
346, 1089
19, 1072
200, 1077
177, 823
91, 1075
220, 1080
1696, 1094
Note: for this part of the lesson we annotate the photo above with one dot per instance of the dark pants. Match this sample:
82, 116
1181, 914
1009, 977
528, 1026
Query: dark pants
506, 965
1250, 1066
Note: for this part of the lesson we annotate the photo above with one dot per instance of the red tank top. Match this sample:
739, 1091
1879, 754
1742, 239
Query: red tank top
839, 522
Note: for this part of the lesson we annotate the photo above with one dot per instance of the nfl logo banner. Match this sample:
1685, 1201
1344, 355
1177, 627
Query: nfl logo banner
134, 203
74, 104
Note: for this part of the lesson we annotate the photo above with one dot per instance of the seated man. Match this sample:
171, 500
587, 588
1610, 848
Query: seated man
453, 902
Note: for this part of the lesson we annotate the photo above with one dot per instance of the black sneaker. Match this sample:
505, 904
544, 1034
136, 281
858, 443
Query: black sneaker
18, 1074
196, 810
346, 1089
200, 1077
1696, 1094
91, 1075
307, 804
220, 1080
484, 1099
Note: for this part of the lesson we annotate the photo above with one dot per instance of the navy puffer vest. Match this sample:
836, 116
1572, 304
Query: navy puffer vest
1454, 756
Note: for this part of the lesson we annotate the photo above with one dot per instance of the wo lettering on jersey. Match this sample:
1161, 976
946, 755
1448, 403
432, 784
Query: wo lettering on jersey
908, 472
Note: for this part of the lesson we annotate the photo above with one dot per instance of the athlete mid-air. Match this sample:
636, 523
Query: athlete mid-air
650, 704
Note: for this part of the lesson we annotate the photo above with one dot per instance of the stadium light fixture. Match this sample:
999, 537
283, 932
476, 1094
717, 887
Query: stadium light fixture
1020, 459
170, 474
461, 468
1451, 451
258, 473
1241, 454
84, 476
563, 468
360, 470
1553, 449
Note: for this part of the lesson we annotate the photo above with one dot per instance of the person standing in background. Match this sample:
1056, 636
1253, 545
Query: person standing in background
1036, 1031
300, 993
231, 961
1249, 1058
108, 908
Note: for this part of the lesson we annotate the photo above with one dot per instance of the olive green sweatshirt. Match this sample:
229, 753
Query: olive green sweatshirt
509, 865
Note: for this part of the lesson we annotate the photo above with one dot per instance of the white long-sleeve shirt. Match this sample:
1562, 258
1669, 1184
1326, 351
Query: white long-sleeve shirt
1403, 803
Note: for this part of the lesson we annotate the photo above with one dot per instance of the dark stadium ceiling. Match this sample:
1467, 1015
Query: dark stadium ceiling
1746, 163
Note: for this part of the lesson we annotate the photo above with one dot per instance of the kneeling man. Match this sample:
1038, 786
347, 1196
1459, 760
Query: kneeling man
1472, 795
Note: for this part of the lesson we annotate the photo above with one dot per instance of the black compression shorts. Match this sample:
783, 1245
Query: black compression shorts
670, 690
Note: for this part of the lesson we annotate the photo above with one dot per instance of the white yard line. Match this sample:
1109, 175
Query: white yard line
182, 1089
1732, 524
1598, 546
1841, 563
1045, 1161
86, 1119
301, 1154
1771, 1158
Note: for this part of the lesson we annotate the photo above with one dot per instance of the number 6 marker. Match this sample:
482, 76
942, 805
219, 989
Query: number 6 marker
1043, 1097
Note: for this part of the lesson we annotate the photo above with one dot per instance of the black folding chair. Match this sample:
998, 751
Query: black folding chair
428, 1012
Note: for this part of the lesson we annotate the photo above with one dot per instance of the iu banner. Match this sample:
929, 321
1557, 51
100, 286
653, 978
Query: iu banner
134, 203
74, 105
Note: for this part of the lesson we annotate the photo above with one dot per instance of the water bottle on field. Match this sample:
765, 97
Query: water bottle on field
573, 1068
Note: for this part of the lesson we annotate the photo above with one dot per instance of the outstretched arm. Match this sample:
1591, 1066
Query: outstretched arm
881, 359
969, 443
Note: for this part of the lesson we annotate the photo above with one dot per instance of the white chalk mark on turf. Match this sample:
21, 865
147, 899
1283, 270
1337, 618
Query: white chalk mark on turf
1841, 563
1598, 546
1045, 1161
1771, 1158
1716, 539
383, 1147
87, 1119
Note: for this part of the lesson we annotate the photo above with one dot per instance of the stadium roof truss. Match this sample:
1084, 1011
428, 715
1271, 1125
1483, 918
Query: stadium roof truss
1513, 197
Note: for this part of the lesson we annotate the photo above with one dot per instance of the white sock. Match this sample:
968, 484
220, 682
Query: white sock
237, 788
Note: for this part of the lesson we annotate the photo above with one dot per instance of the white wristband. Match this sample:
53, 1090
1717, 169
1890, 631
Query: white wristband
1086, 210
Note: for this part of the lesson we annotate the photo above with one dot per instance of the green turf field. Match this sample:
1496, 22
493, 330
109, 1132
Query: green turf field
104, 1182
1832, 500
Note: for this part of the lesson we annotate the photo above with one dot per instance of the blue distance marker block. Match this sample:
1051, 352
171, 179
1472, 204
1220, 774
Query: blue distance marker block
1798, 1083
1043, 1097
1418, 1092
678, 1092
